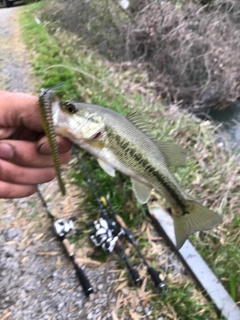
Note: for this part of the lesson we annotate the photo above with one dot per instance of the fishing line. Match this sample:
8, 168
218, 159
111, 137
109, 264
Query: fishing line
103, 83
59, 84
44, 203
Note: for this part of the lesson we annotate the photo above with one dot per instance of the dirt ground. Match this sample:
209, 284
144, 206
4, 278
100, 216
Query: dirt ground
36, 279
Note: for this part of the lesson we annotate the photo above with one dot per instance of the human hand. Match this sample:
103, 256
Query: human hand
25, 157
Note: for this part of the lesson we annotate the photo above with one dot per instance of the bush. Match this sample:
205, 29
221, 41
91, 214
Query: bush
29, 1
191, 49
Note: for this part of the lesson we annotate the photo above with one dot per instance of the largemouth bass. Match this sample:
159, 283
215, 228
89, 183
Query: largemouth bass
121, 143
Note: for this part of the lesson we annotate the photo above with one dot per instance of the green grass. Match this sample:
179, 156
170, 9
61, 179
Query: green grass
181, 297
206, 176
49, 51
120, 196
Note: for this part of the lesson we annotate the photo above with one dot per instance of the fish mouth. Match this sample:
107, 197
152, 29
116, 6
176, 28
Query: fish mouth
96, 135
57, 115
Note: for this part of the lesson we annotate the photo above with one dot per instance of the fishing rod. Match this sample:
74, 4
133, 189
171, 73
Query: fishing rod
129, 236
106, 233
62, 228
103, 204
136, 280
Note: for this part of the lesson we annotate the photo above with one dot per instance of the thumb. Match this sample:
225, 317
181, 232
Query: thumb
19, 110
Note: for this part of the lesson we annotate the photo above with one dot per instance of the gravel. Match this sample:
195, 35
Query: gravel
30, 285
37, 281
32, 288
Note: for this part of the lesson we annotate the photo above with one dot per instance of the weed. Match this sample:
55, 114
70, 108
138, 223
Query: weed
212, 171
32, 203
33, 214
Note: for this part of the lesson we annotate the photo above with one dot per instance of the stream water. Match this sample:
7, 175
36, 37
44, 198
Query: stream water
228, 123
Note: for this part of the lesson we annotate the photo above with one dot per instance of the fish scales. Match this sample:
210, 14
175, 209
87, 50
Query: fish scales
136, 159
119, 143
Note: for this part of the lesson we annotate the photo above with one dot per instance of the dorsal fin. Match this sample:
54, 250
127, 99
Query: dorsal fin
138, 121
173, 153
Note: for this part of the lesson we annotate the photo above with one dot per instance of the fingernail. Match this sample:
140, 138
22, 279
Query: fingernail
6, 151
44, 148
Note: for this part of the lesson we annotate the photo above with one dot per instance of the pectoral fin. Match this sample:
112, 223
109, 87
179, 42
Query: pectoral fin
106, 167
141, 191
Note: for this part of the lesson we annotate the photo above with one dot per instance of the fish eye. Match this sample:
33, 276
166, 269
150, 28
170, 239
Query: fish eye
70, 107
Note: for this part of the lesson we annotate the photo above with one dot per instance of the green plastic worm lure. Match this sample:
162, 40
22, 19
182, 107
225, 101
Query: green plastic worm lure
45, 104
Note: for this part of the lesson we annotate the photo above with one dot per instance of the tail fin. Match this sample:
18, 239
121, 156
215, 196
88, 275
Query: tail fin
198, 218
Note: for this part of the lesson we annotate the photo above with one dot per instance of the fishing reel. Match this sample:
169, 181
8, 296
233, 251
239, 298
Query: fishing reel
63, 227
105, 234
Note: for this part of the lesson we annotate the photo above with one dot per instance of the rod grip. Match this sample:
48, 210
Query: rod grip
67, 246
134, 273
87, 287
135, 276
156, 279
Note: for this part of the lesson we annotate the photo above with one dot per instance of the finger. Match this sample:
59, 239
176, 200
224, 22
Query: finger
64, 145
6, 132
15, 133
10, 190
25, 154
10, 172
6, 151
25, 134
19, 110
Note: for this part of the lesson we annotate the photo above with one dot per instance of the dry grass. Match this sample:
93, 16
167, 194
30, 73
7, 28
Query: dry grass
191, 52
211, 175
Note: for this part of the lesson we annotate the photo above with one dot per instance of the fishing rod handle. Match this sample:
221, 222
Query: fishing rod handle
156, 279
67, 246
132, 271
86, 285
135, 276
120, 221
